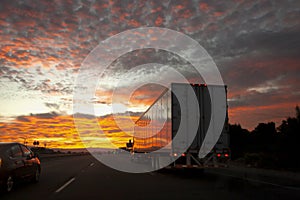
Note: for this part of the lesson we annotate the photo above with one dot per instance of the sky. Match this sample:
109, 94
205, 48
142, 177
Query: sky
255, 44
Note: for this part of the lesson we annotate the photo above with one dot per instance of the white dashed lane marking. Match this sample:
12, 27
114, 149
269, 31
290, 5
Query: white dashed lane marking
65, 185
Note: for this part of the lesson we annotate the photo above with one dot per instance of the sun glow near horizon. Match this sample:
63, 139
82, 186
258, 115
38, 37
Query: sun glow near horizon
60, 132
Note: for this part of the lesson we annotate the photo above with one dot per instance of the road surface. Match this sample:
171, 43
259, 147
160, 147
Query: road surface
83, 177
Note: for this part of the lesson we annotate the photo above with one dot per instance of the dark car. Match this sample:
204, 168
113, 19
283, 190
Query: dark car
17, 162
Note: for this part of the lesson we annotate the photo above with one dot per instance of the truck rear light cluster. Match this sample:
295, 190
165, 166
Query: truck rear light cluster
226, 155
193, 84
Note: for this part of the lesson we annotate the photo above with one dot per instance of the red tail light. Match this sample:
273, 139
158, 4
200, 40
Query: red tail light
218, 155
226, 155
183, 154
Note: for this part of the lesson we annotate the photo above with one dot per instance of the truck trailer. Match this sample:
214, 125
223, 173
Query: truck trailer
174, 128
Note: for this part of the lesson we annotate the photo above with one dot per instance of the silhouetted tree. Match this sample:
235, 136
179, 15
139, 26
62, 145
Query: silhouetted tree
264, 136
36, 143
238, 140
291, 126
298, 113
289, 141
268, 146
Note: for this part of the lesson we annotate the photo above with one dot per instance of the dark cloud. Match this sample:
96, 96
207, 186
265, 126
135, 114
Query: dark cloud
52, 105
285, 43
255, 44
23, 119
45, 115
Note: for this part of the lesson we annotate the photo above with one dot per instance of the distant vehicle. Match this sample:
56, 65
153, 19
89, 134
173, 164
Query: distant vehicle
17, 162
175, 109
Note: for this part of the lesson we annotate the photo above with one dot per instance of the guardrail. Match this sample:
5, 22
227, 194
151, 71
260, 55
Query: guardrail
44, 157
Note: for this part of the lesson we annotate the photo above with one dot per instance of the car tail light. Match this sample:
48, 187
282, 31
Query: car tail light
218, 155
226, 155
183, 154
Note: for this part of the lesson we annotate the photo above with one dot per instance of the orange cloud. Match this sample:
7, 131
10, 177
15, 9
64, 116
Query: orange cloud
60, 131
249, 116
134, 23
218, 14
159, 21
204, 7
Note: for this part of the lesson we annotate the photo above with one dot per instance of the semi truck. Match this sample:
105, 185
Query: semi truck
175, 126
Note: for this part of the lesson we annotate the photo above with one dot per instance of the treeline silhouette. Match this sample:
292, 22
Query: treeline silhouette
268, 146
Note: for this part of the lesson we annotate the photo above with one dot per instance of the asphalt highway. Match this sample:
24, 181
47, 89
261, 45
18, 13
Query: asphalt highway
83, 177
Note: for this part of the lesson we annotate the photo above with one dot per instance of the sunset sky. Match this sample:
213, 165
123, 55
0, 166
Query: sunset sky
255, 44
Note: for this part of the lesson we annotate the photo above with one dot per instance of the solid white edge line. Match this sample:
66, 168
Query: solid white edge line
65, 185
259, 181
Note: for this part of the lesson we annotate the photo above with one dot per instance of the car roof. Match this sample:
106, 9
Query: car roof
7, 143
